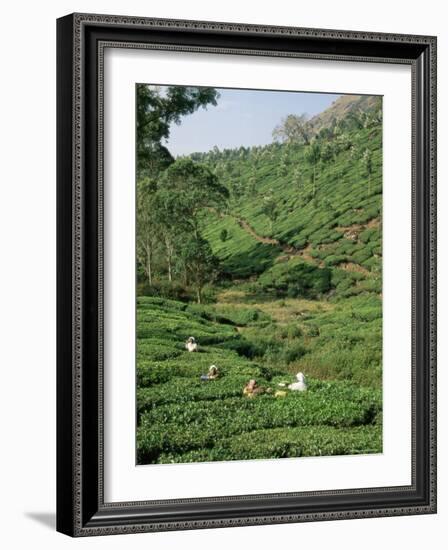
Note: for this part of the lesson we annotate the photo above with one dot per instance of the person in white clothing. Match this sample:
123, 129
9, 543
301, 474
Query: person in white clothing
300, 385
191, 344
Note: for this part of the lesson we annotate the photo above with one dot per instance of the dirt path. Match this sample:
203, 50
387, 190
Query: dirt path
288, 249
352, 231
304, 253
249, 229
354, 268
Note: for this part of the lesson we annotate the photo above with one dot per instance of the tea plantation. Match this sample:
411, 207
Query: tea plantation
288, 273
182, 418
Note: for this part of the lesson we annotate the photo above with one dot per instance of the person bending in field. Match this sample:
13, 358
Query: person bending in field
212, 374
251, 389
191, 344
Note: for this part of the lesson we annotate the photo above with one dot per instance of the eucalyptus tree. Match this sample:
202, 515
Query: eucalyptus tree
148, 228
313, 155
201, 264
297, 178
271, 210
186, 190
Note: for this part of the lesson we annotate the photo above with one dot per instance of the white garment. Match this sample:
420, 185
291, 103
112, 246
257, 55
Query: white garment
191, 346
300, 385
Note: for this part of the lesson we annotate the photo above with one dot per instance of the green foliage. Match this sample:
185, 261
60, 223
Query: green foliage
168, 218
293, 129
282, 244
367, 164
185, 188
201, 264
242, 316
147, 227
165, 289
270, 209
215, 412
156, 112
284, 443
181, 418
296, 278
312, 199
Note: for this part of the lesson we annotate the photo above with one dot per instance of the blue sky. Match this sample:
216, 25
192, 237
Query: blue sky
242, 117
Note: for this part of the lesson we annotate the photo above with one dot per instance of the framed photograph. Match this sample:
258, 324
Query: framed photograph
246, 274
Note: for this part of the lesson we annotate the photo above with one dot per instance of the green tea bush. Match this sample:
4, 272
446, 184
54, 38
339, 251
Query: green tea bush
287, 353
180, 390
296, 278
245, 347
243, 316
286, 443
205, 421
147, 302
291, 332
334, 260
162, 288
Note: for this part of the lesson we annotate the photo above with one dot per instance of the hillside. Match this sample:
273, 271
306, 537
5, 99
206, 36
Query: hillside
342, 107
284, 243
327, 216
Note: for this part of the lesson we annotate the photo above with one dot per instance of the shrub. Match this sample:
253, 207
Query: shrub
286, 354
243, 316
165, 289
175, 428
290, 331
286, 443
296, 278
245, 347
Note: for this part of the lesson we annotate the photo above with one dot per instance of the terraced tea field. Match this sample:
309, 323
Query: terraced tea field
184, 419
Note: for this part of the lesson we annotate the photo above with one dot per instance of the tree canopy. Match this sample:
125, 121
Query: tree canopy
293, 129
184, 189
157, 110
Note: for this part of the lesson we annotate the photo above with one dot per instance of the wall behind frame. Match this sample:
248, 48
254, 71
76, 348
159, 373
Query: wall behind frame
27, 277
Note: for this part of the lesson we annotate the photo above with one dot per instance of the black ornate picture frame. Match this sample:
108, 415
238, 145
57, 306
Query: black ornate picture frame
81, 509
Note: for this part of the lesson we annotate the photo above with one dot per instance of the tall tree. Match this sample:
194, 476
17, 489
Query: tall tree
270, 209
313, 153
168, 228
147, 226
297, 178
293, 129
157, 109
184, 190
282, 168
201, 264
